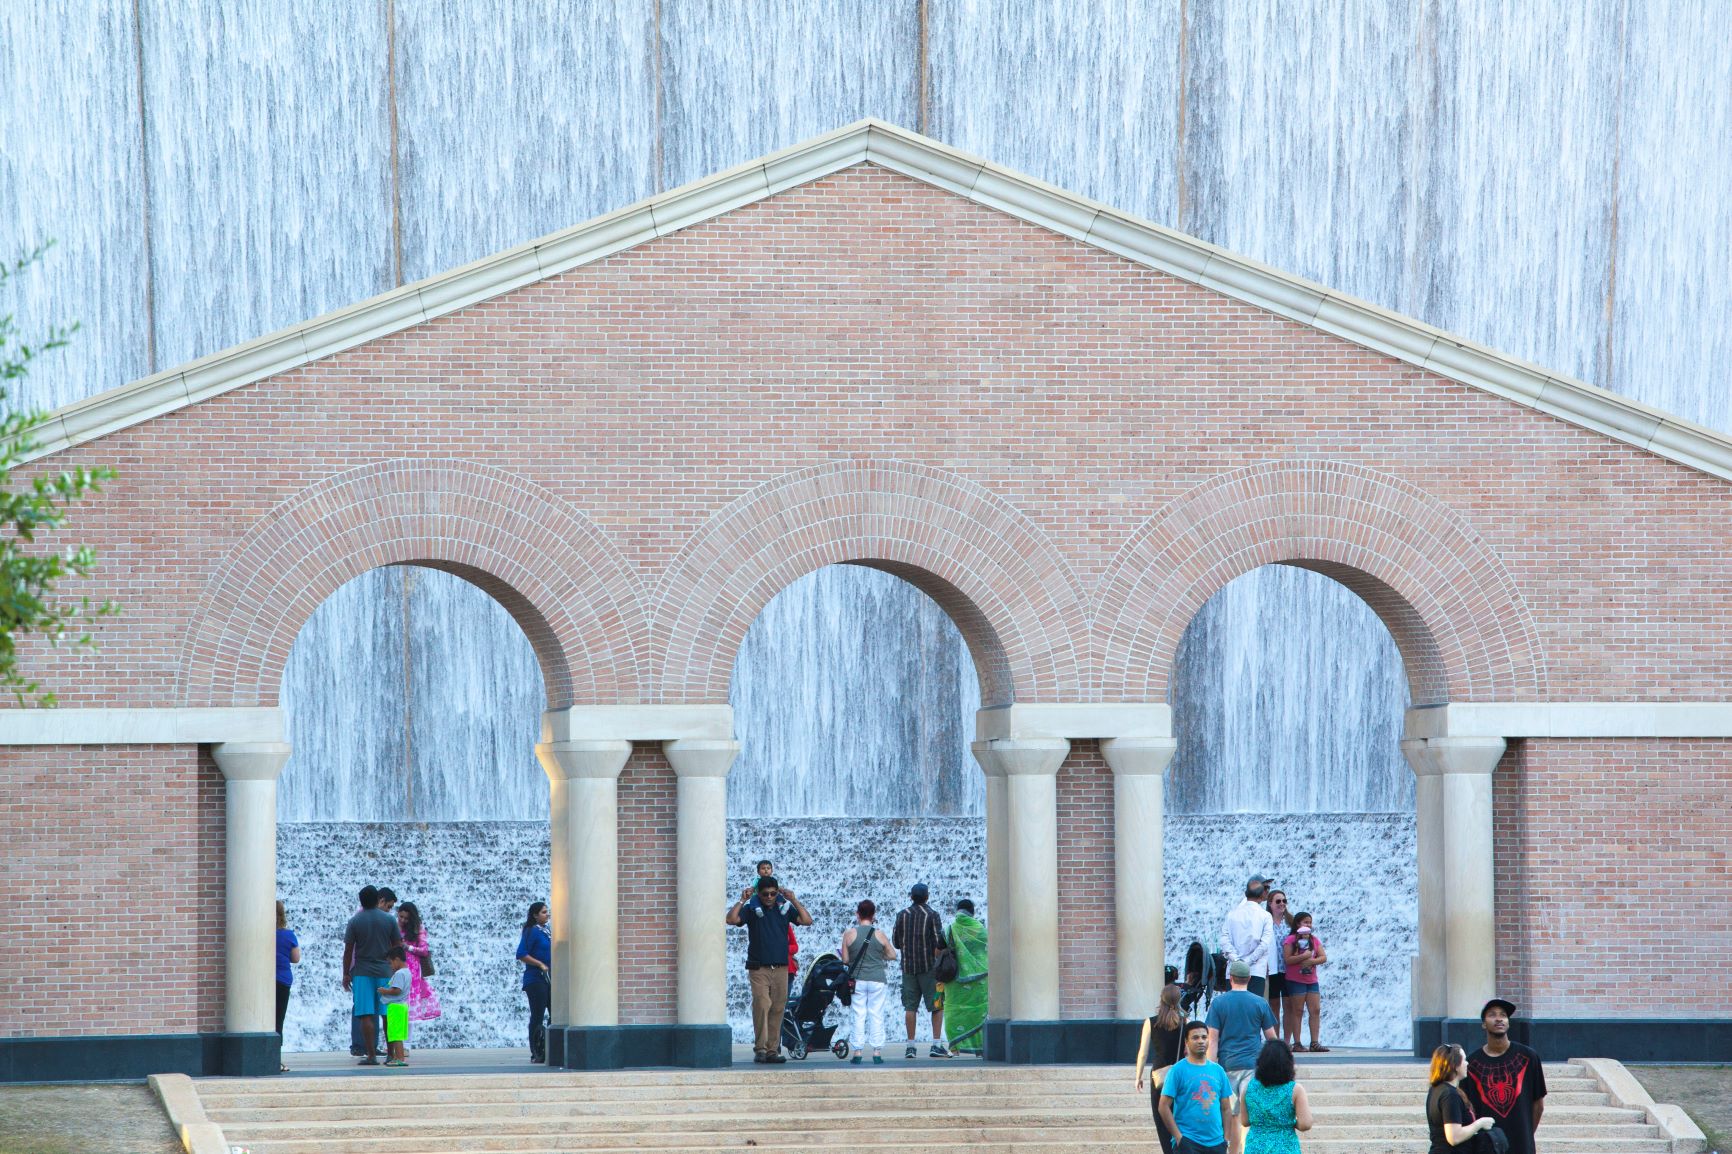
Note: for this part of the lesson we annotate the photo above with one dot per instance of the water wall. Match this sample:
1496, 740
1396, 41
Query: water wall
1546, 178
473, 881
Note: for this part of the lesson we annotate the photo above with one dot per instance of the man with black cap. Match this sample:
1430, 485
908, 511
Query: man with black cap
1506, 1080
918, 936
1248, 934
765, 911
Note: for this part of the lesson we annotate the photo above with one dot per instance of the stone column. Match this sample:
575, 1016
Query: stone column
702, 768
250, 772
1457, 967
1465, 766
586, 793
998, 853
1139, 766
1030, 767
1430, 965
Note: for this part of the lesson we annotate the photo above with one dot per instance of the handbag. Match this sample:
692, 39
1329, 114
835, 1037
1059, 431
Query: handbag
427, 970
945, 968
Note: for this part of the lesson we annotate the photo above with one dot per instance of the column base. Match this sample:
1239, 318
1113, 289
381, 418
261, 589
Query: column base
1559, 1039
637, 1047
992, 1039
134, 1057
1070, 1041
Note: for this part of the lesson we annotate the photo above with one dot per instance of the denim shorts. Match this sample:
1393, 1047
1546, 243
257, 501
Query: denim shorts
1300, 989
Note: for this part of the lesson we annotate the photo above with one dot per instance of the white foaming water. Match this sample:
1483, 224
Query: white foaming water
473, 882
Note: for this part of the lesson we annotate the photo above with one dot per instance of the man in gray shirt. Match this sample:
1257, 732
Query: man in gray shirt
1239, 1023
366, 942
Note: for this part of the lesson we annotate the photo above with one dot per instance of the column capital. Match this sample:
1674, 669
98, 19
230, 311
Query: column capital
1446, 755
701, 757
251, 760
571, 760
1139, 756
1020, 757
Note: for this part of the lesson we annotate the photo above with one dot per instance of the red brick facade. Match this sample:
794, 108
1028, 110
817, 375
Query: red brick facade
1623, 842
1069, 451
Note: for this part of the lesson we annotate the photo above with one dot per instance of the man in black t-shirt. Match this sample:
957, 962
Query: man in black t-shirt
766, 911
1506, 1080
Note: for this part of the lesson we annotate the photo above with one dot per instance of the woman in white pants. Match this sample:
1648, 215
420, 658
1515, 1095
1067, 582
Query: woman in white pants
866, 949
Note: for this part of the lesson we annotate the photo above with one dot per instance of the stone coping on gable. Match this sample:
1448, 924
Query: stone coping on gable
918, 157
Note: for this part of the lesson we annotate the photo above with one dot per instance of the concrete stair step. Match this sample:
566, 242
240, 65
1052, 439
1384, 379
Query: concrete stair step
876, 1132
834, 1112
406, 1095
432, 1088
1361, 1108
827, 1144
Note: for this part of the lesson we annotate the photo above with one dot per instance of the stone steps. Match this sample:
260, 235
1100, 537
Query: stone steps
1361, 1108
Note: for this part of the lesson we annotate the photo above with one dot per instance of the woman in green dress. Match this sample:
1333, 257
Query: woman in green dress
1273, 1109
965, 998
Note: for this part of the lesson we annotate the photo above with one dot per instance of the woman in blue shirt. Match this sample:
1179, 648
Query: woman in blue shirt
288, 954
535, 951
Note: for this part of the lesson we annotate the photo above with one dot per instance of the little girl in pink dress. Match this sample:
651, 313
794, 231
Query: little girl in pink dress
423, 1002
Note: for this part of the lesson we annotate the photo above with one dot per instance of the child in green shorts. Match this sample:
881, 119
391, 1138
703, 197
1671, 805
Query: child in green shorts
394, 999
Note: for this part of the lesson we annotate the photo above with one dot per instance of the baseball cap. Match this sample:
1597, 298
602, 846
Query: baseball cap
1239, 969
1508, 1007
919, 890
1258, 880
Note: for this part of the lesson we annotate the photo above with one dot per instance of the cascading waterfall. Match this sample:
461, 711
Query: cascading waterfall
1545, 181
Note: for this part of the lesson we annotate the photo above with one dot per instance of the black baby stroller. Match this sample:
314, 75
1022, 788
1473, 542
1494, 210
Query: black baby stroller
1198, 988
810, 1021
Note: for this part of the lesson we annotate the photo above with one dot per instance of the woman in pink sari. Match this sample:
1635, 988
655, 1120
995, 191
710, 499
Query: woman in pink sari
423, 1002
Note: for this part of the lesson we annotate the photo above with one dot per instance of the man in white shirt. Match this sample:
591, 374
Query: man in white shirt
1248, 935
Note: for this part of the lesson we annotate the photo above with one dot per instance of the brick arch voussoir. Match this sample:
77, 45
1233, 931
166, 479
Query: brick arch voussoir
994, 572
558, 576
1464, 631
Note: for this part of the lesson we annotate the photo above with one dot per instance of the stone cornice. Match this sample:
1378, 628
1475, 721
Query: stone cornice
918, 157
1631, 719
141, 726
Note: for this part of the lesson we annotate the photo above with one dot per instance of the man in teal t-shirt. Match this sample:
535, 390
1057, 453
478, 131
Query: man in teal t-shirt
1196, 1098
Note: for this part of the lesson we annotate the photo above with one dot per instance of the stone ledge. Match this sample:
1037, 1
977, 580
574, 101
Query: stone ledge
140, 726
180, 1102
1627, 1093
1567, 719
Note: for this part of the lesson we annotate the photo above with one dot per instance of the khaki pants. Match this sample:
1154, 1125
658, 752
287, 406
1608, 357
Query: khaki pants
769, 1000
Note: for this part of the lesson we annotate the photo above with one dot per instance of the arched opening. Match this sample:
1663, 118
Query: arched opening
1289, 692
854, 694
413, 701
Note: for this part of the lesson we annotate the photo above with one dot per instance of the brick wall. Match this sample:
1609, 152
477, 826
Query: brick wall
1087, 928
1069, 451
1027, 420
648, 963
110, 891
1614, 861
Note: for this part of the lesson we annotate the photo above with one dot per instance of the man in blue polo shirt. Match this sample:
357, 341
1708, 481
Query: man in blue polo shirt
1196, 1098
766, 916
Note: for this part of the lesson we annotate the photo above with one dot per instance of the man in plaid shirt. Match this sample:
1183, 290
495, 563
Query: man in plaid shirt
918, 936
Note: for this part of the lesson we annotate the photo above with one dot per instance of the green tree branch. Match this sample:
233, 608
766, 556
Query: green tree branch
30, 602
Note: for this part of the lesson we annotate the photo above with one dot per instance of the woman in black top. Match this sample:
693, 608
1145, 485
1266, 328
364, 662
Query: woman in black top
1158, 1050
1447, 1110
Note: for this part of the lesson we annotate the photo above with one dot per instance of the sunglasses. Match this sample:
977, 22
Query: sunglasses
1277, 901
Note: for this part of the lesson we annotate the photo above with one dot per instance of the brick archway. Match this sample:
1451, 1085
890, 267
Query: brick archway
993, 571
546, 564
1461, 625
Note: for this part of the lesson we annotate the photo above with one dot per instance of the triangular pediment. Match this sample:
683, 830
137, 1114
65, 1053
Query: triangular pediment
915, 156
